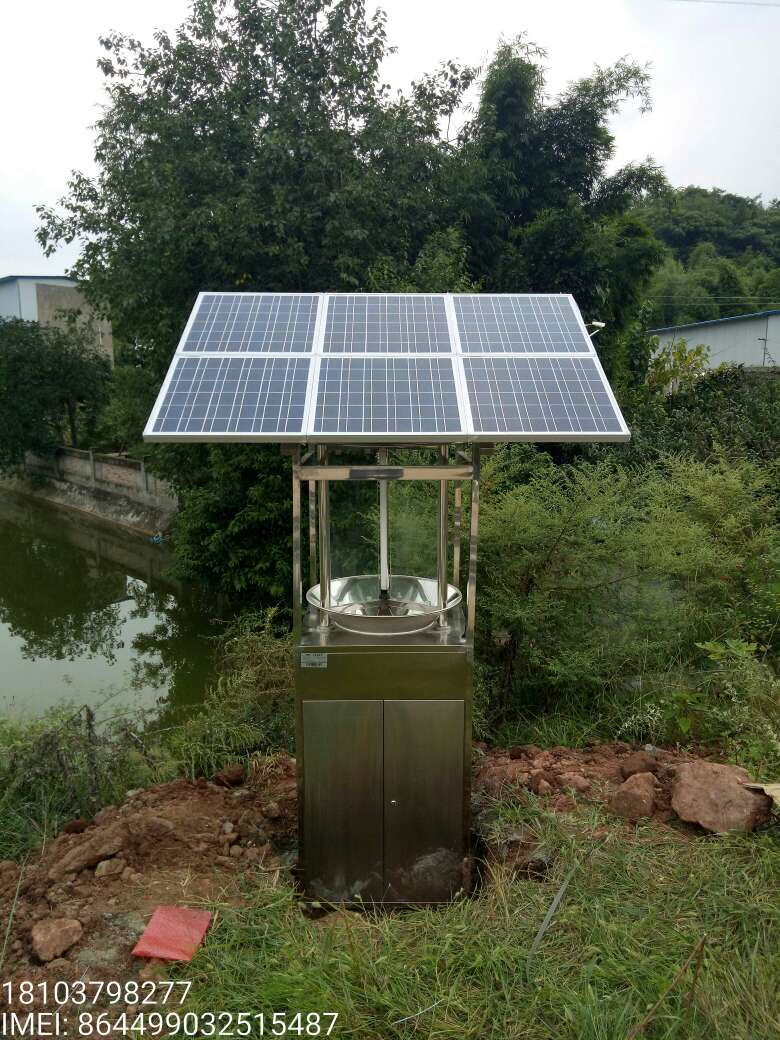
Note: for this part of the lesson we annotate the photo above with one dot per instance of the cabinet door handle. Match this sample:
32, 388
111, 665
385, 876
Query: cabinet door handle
393, 801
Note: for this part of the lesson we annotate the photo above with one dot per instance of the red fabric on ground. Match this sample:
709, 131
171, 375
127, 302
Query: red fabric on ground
173, 934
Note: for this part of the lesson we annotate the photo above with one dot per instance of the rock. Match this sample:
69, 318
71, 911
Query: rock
136, 878
132, 794
102, 844
58, 965
540, 776
638, 762
110, 867
127, 874
236, 851
227, 827
105, 815
52, 937
713, 796
76, 826
231, 776
525, 751
575, 781
635, 798
146, 827
543, 787
272, 810
98, 956
252, 826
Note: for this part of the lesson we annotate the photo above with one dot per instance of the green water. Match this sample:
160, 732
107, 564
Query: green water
89, 616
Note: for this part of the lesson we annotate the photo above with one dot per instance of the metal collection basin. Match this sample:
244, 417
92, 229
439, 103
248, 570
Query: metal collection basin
412, 604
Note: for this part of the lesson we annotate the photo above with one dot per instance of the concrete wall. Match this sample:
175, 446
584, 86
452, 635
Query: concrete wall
740, 342
110, 474
52, 299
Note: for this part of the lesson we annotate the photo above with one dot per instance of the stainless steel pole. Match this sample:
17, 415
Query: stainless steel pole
312, 533
322, 454
457, 519
471, 590
442, 547
384, 531
296, 542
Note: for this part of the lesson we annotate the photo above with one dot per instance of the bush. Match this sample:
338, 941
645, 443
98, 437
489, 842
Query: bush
594, 576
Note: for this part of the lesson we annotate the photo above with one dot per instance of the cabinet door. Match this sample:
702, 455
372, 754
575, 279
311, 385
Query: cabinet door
342, 810
424, 811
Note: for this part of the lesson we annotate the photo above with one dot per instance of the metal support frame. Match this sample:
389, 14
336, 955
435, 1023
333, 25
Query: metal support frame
471, 587
441, 555
312, 533
440, 472
296, 542
324, 526
456, 521
384, 530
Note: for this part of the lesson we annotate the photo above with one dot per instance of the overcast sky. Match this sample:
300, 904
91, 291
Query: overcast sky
715, 74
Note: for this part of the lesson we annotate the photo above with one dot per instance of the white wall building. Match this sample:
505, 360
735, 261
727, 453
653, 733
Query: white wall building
752, 340
34, 298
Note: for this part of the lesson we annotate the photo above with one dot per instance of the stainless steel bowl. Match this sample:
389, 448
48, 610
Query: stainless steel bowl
412, 604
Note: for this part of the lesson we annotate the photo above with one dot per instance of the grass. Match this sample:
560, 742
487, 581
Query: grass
630, 918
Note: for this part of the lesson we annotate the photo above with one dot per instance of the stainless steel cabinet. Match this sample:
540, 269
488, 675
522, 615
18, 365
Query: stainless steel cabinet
383, 799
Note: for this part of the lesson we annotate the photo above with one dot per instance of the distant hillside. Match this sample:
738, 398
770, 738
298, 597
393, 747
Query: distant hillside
723, 254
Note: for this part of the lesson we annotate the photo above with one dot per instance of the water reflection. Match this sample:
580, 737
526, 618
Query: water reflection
86, 608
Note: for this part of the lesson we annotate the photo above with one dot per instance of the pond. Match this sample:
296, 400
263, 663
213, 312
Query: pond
88, 615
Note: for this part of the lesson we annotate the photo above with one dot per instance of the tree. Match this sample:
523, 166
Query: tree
51, 379
259, 149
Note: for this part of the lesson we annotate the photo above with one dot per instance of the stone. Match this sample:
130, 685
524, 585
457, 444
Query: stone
713, 796
57, 966
76, 826
525, 751
231, 776
272, 810
110, 867
252, 826
145, 827
106, 815
236, 851
575, 781
103, 844
98, 956
52, 937
635, 798
540, 776
638, 762
154, 970
543, 787
227, 827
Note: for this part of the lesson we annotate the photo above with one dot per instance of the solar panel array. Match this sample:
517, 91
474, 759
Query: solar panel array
371, 367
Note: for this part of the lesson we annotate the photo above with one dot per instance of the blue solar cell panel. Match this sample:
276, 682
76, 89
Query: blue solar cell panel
387, 395
253, 322
519, 325
360, 324
211, 395
539, 396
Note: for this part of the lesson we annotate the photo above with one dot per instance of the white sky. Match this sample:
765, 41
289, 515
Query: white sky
715, 72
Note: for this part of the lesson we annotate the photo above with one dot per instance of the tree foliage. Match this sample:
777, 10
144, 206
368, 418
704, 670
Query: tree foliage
52, 380
257, 148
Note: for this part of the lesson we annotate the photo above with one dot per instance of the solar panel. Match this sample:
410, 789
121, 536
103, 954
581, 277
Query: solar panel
366, 324
489, 323
250, 395
361, 367
387, 396
252, 322
539, 396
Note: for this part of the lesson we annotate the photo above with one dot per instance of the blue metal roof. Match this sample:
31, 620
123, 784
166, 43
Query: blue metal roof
714, 321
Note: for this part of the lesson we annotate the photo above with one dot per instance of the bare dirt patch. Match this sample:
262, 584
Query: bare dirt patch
177, 843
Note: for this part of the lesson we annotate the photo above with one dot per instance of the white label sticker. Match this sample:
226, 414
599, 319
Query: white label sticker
314, 660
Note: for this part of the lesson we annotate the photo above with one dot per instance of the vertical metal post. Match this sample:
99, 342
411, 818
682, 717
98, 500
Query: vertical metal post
442, 547
312, 533
458, 512
471, 589
384, 530
322, 455
296, 541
